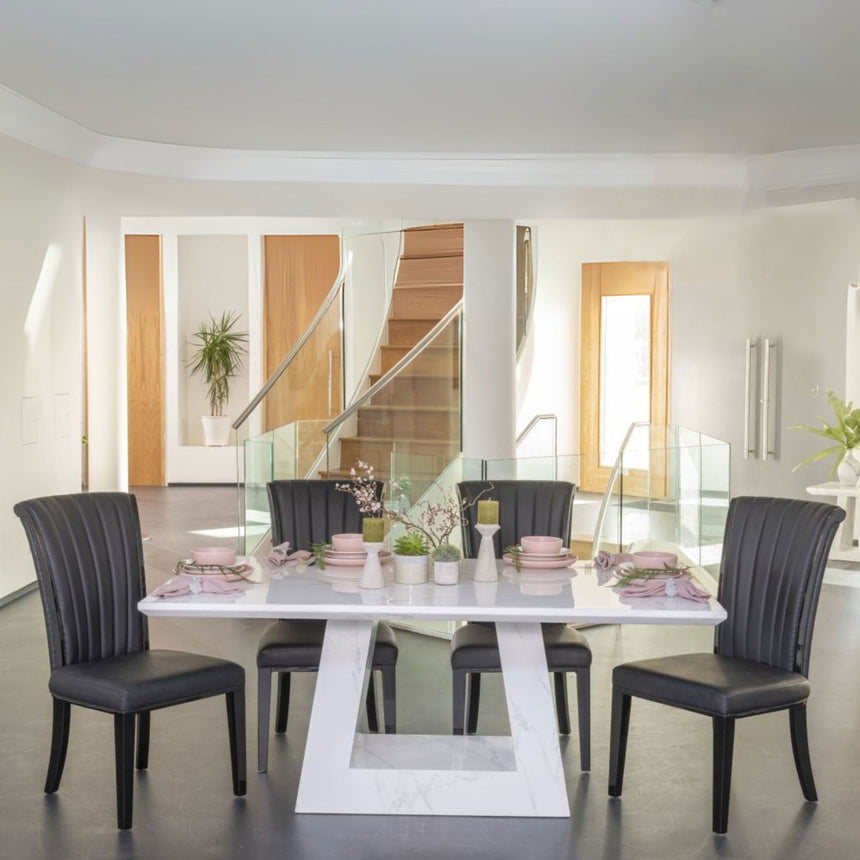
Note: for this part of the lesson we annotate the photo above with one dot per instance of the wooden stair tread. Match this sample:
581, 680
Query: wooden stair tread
414, 440
428, 285
448, 226
408, 407
375, 377
430, 346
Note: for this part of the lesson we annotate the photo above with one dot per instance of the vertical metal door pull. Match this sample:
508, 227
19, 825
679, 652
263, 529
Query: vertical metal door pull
751, 345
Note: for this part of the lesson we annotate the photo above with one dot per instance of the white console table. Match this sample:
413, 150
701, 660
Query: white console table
846, 497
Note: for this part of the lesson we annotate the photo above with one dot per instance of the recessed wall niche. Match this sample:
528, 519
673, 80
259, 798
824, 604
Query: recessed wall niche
213, 278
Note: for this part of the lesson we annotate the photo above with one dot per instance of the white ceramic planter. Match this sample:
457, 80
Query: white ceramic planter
446, 572
216, 430
410, 569
848, 470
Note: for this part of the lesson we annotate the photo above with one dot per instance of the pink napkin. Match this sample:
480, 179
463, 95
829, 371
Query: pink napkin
185, 584
666, 586
605, 560
279, 554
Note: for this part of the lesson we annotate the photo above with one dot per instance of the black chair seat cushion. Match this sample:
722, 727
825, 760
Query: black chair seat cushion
712, 684
297, 645
145, 680
475, 648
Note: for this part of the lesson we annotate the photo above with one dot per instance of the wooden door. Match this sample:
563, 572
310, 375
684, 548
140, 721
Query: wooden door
145, 356
299, 272
624, 349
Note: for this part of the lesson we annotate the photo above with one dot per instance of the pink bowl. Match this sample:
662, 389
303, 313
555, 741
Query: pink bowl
347, 542
213, 555
541, 544
654, 559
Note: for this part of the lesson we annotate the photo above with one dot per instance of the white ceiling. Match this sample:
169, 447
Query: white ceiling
456, 76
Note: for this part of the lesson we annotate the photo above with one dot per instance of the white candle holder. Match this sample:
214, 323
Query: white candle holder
486, 569
371, 574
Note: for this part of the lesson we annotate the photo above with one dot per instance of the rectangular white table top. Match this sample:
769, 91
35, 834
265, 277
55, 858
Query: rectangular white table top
576, 594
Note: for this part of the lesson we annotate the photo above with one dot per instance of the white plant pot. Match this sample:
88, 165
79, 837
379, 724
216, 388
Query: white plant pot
216, 430
410, 569
848, 470
446, 572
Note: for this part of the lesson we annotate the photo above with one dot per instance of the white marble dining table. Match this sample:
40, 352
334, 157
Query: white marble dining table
353, 772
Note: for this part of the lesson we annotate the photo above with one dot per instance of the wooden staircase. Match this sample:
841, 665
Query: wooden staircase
418, 412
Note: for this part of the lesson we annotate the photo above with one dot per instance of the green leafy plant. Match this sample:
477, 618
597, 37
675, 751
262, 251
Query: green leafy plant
411, 543
845, 432
217, 357
636, 573
318, 551
446, 552
514, 552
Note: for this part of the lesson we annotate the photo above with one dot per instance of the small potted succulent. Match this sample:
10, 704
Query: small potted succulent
410, 558
446, 564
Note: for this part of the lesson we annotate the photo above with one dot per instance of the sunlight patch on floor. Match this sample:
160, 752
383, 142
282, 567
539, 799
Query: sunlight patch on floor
231, 532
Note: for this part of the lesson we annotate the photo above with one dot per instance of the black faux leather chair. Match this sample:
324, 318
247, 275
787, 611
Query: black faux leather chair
89, 563
525, 508
306, 512
774, 554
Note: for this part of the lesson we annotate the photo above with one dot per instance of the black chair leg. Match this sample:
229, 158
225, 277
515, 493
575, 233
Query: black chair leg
236, 730
389, 699
800, 748
123, 733
458, 678
583, 707
59, 745
561, 706
370, 704
618, 740
142, 740
283, 702
264, 707
724, 740
474, 702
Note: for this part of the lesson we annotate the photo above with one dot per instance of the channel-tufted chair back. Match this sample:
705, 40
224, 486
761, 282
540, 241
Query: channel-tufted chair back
89, 563
774, 555
525, 508
306, 512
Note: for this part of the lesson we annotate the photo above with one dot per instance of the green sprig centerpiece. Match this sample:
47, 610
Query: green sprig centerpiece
514, 552
648, 573
318, 551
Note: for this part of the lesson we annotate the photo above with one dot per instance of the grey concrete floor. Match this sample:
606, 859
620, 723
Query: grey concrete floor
184, 806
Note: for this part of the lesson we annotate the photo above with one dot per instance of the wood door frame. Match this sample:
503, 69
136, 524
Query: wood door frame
155, 298
593, 476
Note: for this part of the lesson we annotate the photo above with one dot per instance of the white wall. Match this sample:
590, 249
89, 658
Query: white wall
778, 273
725, 269
40, 339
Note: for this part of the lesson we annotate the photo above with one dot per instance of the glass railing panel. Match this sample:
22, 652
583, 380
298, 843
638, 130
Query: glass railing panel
373, 259
413, 409
256, 465
525, 284
539, 438
669, 487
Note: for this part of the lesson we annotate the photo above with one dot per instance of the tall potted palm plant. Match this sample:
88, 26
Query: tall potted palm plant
217, 356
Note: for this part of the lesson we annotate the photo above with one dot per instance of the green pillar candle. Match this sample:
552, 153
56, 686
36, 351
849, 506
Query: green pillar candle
373, 529
488, 512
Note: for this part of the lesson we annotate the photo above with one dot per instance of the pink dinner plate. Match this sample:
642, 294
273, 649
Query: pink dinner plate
340, 561
541, 563
338, 553
545, 556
